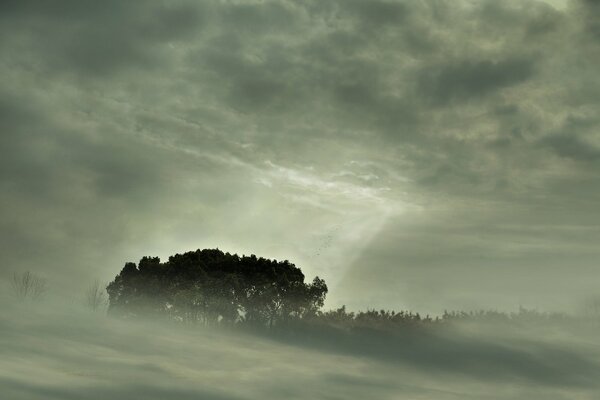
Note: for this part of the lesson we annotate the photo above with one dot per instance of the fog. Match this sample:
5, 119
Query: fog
58, 349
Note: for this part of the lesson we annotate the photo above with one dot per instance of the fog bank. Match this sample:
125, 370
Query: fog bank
63, 351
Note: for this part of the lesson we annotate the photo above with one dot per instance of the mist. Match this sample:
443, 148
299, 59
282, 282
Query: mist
62, 350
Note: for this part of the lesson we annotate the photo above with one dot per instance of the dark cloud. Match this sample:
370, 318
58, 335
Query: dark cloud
590, 11
470, 80
257, 18
377, 13
93, 41
570, 146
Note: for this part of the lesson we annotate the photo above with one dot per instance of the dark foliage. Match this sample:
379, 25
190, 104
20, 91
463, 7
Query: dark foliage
212, 287
391, 321
216, 288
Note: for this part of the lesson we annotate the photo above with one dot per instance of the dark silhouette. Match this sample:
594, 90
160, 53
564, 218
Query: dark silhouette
216, 288
212, 287
270, 297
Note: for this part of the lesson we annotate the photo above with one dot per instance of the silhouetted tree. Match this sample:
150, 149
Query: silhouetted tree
212, 287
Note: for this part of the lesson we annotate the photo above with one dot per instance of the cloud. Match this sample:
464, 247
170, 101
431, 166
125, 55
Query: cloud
131, 130
468, 80
570, 146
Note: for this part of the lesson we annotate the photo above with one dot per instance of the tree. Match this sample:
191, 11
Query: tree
212, 287
28, 285
95, 296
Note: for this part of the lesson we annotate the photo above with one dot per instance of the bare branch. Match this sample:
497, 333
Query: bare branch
95, 296
28, 285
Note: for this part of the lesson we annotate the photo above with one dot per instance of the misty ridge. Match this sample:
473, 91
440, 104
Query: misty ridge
212, 325
214, 288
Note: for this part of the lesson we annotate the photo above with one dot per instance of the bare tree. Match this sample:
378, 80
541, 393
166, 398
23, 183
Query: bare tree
95, 296
28, 285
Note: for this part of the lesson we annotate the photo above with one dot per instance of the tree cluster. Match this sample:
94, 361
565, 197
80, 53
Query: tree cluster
212, 287
394, 321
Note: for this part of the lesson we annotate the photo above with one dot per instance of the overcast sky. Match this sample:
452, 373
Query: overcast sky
418, 154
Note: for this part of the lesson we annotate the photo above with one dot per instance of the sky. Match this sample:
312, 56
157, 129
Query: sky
422, 155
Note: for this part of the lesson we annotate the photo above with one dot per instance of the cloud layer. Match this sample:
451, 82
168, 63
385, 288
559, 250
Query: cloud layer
419, 154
